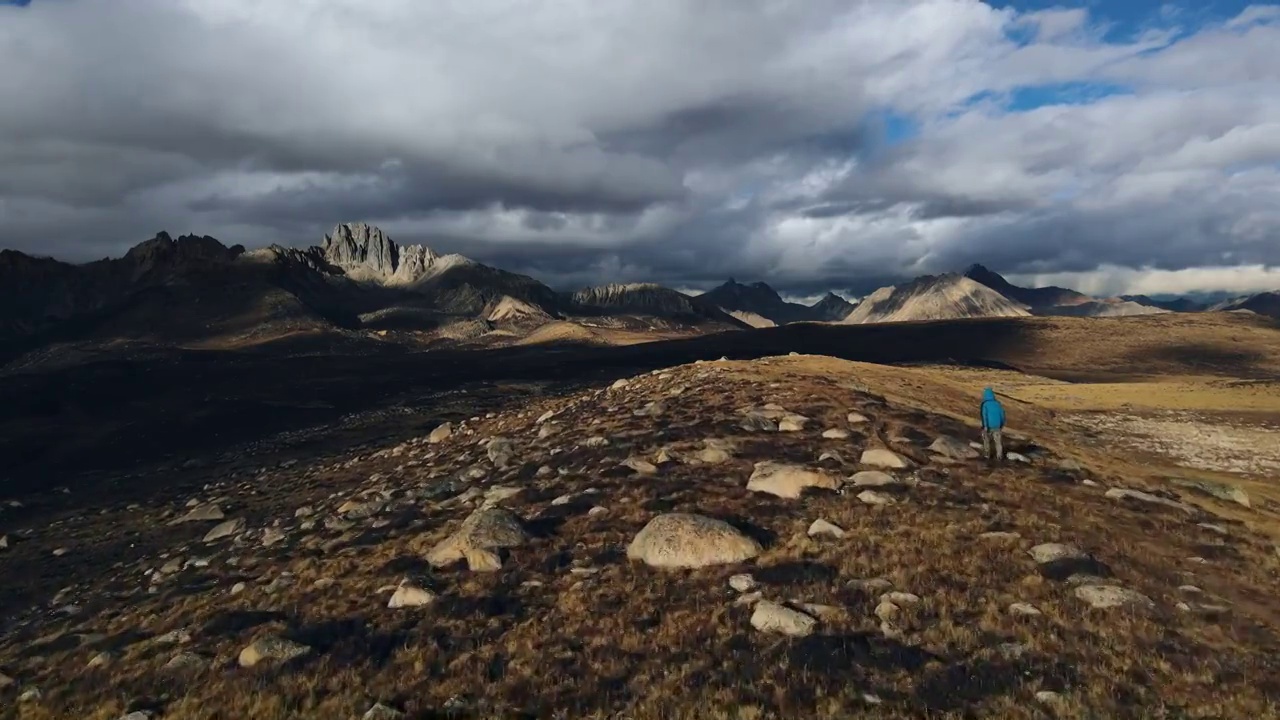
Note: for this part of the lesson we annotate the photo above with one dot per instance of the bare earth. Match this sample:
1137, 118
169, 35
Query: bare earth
569, 627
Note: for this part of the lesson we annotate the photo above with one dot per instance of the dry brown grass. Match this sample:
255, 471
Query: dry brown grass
634, 642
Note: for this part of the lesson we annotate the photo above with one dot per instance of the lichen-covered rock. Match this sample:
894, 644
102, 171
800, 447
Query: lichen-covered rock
685, 540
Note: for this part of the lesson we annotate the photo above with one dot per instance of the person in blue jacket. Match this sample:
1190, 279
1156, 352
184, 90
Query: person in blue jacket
992, 426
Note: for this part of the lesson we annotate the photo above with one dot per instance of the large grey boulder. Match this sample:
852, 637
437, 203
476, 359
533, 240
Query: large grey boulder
686, 540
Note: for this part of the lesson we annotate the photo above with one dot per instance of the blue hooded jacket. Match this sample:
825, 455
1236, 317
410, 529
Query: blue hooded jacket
992, 411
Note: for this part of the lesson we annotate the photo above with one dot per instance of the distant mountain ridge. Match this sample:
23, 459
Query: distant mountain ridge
942, 297
193, 287
759, 300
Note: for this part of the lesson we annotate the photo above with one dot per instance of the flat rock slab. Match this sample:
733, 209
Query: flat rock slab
225, 529
1126, 494
207, 512
686, 540
1222, 491
1111, 596
789, 481
953, 448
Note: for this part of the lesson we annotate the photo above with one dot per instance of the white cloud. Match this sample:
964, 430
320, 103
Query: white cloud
682, 140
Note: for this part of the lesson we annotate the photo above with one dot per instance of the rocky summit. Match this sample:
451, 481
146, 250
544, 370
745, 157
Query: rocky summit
656, 546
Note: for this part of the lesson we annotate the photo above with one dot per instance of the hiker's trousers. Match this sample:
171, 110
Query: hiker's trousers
993, 438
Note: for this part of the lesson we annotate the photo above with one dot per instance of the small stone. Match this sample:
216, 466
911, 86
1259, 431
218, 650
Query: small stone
597, 510
1048, 697
822, 527
238, 588
1220, 530
224, 529
854, 418
644, 467
186, 661
1020, 608
440, 434
743, 583
102, 659
792, 423
1110, 596
772, 617
900, 598
619, 384
382, 712
953, 448
4, 542
272, 536
871, 497
304, 511
835, 434
1053, 552
748, 599
323, 584
870, 585
596, 442
875, 478
30, 695
271, 648
1192, 589
1017, 457
202, 513
407, 595
61, 551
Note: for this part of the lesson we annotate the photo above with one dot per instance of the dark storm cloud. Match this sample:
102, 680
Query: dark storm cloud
814, 145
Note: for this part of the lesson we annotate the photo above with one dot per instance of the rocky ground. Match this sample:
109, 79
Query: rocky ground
783, 537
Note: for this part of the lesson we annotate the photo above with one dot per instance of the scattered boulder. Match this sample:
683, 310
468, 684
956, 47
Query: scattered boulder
821, 527
382, 712
1222, 491
409, 595
871, 497
271, 648
202, 513
743, 583
1055, 552
879, 457
640, 465
500, 451
272, 536
854, 418
835, 434
685, 540
1021, 608
186, 662
772, 617
1123, 494
440, 434
1017, 457
953, 448
876, 478
788, 481
1110, 596
757, 422
792, 423
596, 442
484, 531
225, 529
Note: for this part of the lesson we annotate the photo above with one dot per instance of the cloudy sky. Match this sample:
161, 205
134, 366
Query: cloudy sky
814, 144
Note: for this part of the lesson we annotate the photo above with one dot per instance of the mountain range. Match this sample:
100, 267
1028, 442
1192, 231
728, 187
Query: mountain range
195, 289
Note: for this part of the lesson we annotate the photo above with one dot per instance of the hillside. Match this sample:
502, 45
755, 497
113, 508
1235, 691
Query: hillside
649, 299
943, 297
852, 560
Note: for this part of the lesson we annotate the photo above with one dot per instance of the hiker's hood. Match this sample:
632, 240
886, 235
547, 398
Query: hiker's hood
988, 394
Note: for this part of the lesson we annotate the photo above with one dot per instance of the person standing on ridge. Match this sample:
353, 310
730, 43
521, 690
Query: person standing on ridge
992, 425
